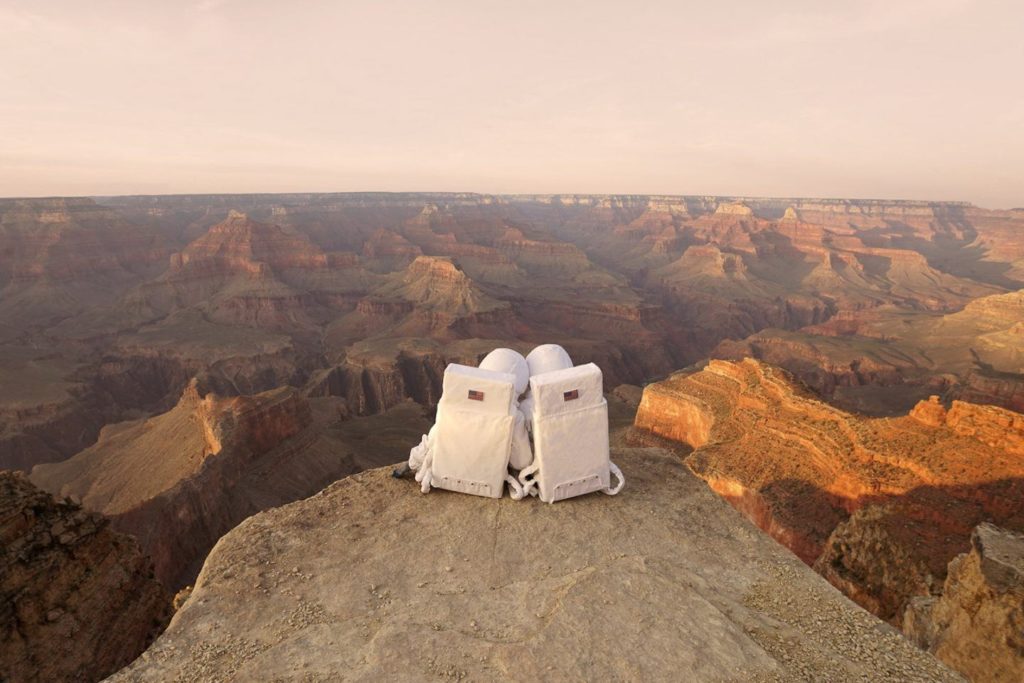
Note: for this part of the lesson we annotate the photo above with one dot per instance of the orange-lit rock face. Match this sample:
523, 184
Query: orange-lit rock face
675, 415
975, 626
1003, 429
915, 485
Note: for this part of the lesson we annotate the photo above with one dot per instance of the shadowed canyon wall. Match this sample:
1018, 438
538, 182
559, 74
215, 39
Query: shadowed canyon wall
77, 600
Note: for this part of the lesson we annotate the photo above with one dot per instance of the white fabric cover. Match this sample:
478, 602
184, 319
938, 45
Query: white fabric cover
570, 434
512, 362
507, 360
544, 358
469, 447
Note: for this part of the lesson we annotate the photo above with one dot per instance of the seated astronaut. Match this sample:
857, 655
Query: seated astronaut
487, 415
480, 431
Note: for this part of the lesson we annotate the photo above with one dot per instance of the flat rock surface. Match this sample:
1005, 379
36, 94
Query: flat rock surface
371, 580
1002, 555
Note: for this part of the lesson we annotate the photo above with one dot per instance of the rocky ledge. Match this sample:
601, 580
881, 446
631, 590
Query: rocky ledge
370, 580
977, 624
77, 600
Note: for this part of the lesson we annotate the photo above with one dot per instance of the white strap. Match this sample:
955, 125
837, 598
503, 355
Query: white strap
529, 487
611, 491
423, 476
418, 453
515, 491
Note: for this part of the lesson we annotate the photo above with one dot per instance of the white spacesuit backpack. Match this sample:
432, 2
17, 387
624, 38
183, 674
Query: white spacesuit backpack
570, 436
544, 358
507, 360
469, 446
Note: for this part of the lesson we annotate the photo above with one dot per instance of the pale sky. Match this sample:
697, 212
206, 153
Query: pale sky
919, 99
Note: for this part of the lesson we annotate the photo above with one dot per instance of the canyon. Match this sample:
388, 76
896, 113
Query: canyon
178, 364
260, 291
180, 480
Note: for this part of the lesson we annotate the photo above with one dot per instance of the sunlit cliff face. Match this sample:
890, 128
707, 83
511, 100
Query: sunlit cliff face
835, 487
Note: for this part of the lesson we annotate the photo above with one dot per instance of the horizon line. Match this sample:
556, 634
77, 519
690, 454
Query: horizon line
471, 193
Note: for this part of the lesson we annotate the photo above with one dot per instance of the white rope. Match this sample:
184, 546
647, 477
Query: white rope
418, 453
515, 491
423, 476
622, 480
529, 487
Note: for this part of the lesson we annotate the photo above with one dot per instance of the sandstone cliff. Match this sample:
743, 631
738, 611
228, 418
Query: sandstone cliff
878, 506
247, 272
977, 625
371, 579
171, 481
181, 479
431, 297
77, 600
992, 427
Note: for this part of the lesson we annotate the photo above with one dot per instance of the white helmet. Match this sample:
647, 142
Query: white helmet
548, 357
512, 362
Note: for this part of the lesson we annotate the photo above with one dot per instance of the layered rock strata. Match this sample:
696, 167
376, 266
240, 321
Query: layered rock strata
878, 505
171, 481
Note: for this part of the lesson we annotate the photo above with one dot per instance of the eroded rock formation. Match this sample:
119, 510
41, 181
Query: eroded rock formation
975, 354
879, 506
977, 624
172, 481
263, 290
77, 600
356, 301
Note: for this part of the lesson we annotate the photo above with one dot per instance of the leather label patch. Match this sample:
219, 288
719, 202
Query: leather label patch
476, 395
571, 395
